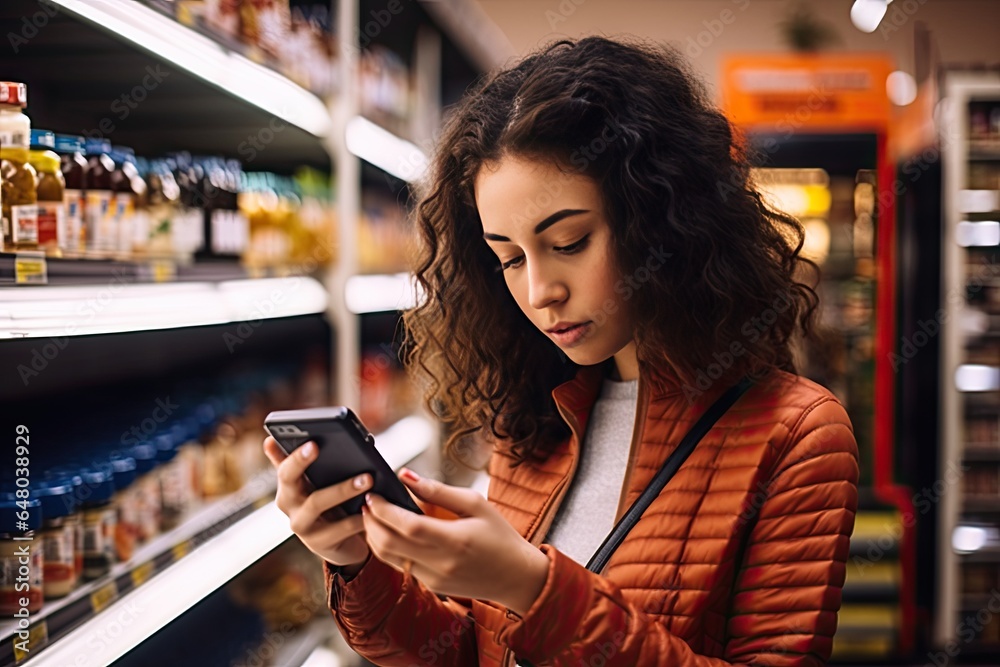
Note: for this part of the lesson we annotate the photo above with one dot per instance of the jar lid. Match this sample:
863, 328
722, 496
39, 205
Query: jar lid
145, 457
43, 139
44, 161
12, 517
124, 466
56, 496
98, 485
14, 94
166, 449
98, 146
69, 143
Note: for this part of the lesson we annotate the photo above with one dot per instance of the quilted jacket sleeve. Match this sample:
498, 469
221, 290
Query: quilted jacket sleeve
787, 590
390, 619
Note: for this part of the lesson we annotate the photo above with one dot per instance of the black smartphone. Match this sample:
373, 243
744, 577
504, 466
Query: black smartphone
346, 450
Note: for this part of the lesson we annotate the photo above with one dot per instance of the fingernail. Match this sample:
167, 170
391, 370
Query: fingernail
410, 475
307, 450
364, 510
361, 481
368, 499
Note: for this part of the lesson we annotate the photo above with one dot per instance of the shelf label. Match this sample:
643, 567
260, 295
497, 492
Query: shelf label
38, 637
142, 573
163, 271
103, 596
182, 549
30, 268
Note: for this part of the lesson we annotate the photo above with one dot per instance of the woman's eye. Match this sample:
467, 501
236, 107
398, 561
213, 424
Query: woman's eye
574, 247
511, 262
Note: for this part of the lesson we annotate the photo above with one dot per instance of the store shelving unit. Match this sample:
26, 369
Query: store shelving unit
215, 96
969, 465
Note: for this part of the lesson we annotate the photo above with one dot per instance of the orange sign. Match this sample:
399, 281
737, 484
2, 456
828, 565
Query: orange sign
792, 92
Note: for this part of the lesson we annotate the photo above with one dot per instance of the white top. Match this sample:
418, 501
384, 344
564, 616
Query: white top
587, 513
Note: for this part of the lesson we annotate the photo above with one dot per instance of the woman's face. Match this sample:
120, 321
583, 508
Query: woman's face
550, 233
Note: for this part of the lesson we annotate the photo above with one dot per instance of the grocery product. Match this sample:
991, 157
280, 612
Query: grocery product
127, 515
74, 168
99, 519
101, 233
19, 581
170, 473
145, 492
128, 201
50, 191
163, 208
58, 534
18, 181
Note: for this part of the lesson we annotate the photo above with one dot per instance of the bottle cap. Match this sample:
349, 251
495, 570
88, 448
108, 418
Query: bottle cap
14, 94
43, 139
69, 143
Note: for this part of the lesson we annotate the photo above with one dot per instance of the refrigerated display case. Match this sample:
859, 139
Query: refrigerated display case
969, 456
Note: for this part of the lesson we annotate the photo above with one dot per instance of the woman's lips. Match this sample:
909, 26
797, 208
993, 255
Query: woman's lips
571, 335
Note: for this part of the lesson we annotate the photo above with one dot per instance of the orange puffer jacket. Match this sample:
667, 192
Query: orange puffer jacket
740, 560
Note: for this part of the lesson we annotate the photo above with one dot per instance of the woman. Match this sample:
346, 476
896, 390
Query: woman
598, 269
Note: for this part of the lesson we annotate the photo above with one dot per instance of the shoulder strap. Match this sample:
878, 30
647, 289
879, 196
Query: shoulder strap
670, 466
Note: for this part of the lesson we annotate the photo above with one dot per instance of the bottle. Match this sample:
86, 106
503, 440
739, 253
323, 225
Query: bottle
71, 476
163, 198
101, 233
20, 519
51, 192
128, 192
188, 232
18, 181
99, 518
226, 231
169, 473
58, 535
74, 169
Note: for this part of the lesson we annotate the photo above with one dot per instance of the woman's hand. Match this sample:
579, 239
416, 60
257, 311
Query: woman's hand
333, 536
479, 555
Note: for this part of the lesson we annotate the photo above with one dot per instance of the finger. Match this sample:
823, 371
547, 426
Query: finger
292, 486
390, 546
328, 534
414, 527
318, 502
273, 452
463, 502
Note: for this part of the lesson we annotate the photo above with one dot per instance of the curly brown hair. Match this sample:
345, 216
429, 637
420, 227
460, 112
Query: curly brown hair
673, 174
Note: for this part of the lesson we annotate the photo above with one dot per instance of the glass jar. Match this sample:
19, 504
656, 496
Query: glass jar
18, 181
127, 519
51, 192
58, 535
99, 519
170, 474
146, 492
21, 555
74, 168
75, 520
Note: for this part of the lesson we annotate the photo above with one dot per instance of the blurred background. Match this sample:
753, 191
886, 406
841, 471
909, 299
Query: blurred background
207, 216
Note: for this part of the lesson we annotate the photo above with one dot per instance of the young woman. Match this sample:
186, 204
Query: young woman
597, 270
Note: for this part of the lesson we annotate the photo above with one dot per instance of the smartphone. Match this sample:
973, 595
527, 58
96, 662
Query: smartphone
346, 450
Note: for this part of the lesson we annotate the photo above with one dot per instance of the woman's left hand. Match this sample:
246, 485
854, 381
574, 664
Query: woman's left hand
479, 555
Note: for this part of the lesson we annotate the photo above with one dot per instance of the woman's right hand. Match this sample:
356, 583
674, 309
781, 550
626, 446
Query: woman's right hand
324, 528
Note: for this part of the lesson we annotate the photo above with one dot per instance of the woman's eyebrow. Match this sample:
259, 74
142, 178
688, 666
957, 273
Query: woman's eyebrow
544, 224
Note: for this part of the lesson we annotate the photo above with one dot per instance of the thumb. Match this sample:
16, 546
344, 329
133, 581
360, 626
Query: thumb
460, 501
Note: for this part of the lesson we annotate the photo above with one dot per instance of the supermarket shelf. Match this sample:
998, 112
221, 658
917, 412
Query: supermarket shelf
984, 150
117, 306
208, 60
987, 504
983, 454
77, 271
299, 649
230, 535
57, 618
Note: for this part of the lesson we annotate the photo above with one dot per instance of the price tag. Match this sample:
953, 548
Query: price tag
38, 637
163, 271
103, 596
182, 549
141, 573
30, 268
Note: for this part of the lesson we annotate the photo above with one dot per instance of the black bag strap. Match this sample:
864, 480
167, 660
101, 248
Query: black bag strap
666, 472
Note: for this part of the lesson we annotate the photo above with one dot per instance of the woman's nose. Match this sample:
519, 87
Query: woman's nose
545, 287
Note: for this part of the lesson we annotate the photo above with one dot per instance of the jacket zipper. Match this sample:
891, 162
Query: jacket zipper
549, 516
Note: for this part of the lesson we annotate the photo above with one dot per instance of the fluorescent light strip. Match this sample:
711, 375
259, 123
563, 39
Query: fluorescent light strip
385, 150
379, 293
405, 440
184, 48
982, 233
58, 311
975, 377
